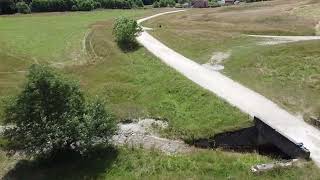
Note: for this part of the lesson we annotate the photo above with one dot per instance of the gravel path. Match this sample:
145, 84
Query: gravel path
245, 99
271, 40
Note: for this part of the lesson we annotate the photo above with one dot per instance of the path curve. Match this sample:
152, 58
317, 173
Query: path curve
236, 94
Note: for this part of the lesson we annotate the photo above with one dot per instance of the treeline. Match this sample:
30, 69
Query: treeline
27, 6
164, 3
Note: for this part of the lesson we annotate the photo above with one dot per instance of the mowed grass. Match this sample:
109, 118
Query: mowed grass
294, 81
57, 39
197, 33
51, 37
135, 84
288, 74
128, 163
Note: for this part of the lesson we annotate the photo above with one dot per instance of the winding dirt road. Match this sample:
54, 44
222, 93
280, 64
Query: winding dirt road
236, 94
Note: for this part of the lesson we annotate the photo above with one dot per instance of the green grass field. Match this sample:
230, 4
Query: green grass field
288, 73
51, 38
127, 163
138, 85
135, 84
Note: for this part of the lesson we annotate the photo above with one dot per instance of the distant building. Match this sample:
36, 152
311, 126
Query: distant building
199, 3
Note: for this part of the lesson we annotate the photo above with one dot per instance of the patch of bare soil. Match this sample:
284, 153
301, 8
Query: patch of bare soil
144, 133
215, 63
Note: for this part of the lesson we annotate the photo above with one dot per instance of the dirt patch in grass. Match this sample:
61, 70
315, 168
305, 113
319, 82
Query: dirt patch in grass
215, 62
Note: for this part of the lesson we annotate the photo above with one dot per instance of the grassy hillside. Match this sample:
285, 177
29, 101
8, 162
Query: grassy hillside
51, 38
292, 80
288, 74
136, 84
137, 164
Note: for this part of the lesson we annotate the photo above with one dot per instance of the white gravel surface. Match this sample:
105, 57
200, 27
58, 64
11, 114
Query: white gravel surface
143, 133
236, 94
272, 40
215, 62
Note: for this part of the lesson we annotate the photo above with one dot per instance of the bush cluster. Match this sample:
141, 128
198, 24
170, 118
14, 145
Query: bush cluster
23, 8
50, 5
51, 115
117, 4
148, 2
213, 4
125, 30
27, 6
164, 3
7, 7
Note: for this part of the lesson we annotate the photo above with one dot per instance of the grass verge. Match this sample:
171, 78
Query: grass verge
128, 163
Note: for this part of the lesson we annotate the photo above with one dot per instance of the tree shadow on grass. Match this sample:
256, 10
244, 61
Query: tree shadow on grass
65, 166
129, 46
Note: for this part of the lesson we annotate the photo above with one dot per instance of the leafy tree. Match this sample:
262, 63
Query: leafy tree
156, 4
86, 5
125, 30
23, 7
148, 2
7, 7
138, 3
51, 115
163, 3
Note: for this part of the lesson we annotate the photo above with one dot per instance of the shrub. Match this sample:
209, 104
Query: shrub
97, 5
138, 3
213, 4
50, 5
171, 3
51, 115
178, 5
23, 8
74, 8
125, 30
122, 4
85, 5
163, 3
148, 2
70, 3
156, 4
7, 7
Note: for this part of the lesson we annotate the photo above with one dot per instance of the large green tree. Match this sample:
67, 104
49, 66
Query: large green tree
51, 115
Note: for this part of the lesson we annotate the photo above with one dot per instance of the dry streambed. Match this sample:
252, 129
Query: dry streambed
144, 133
